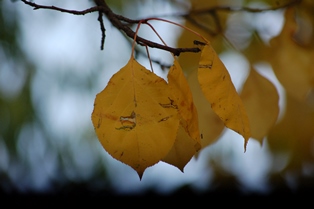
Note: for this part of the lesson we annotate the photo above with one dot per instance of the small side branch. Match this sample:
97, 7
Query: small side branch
74, 12
103, 30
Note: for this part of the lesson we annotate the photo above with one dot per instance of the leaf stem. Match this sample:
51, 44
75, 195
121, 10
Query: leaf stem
134, 38
174, 23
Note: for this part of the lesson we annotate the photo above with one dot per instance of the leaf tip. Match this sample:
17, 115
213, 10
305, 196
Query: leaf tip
140, 175
245, 144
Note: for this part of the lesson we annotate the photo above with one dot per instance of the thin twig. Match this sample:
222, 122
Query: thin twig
103, 30
74, 12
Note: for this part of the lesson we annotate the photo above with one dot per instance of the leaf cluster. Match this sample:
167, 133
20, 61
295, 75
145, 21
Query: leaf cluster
140, 119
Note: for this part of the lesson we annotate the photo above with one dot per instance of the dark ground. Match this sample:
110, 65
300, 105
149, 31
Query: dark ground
79, 197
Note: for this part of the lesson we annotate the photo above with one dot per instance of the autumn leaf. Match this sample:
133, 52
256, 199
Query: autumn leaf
294, 133
292, 63
210, 125
131, 120
219, 90
207, 24
183, 97
188, 139
260, 98
182, 151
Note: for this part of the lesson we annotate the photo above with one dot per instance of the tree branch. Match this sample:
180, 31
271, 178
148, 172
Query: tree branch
116, 20
243, 9
119, 21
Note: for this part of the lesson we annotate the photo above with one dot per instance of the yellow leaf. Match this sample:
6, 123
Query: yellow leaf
292, 62
188, 140
260, 98
219, 90
210, 125
182, 151
182, 94
294, 133
204, 23
131, 120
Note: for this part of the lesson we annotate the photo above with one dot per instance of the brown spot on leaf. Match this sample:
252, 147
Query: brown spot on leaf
111, 117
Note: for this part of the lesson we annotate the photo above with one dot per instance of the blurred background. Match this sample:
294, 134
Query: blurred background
51, 68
